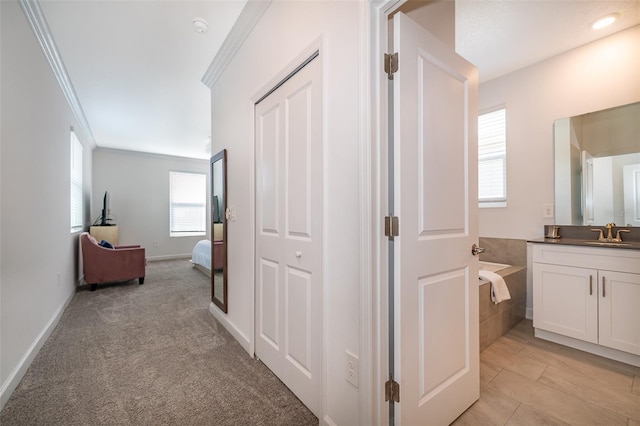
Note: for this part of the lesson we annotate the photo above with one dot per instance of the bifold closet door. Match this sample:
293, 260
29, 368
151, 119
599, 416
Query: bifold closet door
288, 149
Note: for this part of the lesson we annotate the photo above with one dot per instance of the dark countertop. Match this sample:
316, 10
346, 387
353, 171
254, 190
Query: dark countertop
583, 236
625, 245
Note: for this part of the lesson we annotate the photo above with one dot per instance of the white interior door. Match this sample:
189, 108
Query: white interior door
435, 186
631, 189
288, 233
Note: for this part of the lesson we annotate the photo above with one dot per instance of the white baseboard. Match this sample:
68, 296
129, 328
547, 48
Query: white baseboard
529, 314
169, 257
18, 373
231, 328
328, 421
626, 357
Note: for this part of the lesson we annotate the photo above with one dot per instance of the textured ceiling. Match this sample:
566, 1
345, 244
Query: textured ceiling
136, 68
502, 36
137, 65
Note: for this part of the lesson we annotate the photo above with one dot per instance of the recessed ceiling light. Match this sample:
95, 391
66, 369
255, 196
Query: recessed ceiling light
200, 25
605, 21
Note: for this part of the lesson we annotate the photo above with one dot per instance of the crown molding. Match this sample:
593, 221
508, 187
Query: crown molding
38, 23
248, 18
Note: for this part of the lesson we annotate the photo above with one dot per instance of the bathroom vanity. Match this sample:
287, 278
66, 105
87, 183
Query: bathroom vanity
586, 276
587, 296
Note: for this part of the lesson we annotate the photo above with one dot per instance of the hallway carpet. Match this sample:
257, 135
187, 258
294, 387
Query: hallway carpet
149, 355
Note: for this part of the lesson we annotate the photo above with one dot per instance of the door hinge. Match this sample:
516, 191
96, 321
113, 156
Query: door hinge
391, 226
392, 391
390, 64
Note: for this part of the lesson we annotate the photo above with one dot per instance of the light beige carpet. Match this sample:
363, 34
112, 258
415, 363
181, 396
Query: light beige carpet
149, 355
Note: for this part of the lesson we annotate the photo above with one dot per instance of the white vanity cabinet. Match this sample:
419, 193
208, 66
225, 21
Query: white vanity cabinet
589, 295
564, 301
619, 311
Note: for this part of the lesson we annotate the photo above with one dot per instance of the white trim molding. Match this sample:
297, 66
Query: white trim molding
243, 339
249, 17
7, 388
38, 23
368, 203
378, 17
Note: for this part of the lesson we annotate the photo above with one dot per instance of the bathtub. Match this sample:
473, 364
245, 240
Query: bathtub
496, 320
493, 267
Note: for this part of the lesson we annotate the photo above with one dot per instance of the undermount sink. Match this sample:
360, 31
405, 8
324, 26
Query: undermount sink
608, 243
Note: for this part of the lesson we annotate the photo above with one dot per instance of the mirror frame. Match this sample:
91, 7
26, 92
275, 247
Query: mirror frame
220, 303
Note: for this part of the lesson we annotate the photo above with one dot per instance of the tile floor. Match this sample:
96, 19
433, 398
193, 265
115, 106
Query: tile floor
529, 381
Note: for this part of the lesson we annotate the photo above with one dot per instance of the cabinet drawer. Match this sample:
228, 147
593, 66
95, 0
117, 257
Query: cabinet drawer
612, 259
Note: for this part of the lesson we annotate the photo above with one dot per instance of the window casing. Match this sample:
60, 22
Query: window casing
76, 190
492, 159
188, 204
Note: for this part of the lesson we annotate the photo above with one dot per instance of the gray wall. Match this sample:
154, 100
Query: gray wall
588, 78
336, 26
138, 186
38, 253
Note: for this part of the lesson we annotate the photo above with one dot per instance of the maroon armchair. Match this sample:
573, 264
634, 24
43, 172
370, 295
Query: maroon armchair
105, 265
217, 243
218, 255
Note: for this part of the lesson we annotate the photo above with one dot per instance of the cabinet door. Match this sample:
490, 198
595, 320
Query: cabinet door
565, 301
619, 310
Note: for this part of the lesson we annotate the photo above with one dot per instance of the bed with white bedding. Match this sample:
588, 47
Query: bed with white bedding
201, 256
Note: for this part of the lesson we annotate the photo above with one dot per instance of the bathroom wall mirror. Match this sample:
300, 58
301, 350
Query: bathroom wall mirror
597, 167
219, 230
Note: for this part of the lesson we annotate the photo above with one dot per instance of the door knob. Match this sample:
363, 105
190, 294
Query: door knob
298, 254
475, 250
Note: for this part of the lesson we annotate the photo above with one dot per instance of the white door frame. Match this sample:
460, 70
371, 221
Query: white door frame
379, 36
378, 33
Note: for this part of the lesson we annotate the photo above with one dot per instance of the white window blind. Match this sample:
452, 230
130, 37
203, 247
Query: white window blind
492, 157
77, 219
188, 199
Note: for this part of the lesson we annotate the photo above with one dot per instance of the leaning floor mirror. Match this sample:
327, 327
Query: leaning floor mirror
219, 230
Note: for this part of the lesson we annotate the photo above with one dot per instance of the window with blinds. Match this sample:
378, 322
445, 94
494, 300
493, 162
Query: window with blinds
188, 199
492, 159
77, 216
